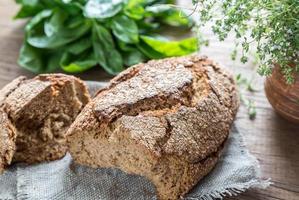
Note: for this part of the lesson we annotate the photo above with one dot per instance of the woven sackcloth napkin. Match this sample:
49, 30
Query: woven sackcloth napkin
236, 171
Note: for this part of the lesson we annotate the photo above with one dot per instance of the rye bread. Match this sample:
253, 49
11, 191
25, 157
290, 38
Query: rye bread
40, 111
166, 120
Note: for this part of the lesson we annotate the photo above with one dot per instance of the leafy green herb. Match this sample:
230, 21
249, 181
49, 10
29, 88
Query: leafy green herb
135, 9
125, 29
251, 109
79, 56
101, 9
113, 34
168, 15
133, 57
29, 8
30, 58
169, 48
243, 83
272, 24
73, 64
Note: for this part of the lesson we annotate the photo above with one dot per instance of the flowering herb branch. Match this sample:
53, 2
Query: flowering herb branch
272, 24
246, 85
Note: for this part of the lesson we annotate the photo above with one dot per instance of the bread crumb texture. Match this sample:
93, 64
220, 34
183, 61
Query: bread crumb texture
36, 114
7, 141
166, 120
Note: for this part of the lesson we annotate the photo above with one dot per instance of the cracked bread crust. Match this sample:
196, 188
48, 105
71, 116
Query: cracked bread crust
9, 88
41, 110
166, 120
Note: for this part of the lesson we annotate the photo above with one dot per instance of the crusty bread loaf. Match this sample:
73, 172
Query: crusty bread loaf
166, 120
41, 110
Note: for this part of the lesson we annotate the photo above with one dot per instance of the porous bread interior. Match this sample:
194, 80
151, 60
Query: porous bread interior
43, 138
172, 176
7, 141
44, 142
112, 145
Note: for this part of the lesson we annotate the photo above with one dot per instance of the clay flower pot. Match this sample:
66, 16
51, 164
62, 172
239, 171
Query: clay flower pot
283, 97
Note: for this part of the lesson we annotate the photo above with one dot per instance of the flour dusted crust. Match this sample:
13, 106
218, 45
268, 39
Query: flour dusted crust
40, 110
166, 120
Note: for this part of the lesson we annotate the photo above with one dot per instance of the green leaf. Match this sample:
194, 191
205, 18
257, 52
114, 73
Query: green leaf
79, 56
79, 46
60, 37
158, 10
53, 60
147, 27
52, 25
151, 2
105, 53
74, 21
78, 63
71, 7
149, 51
125, 29
169, 48
169, 15
251, 110
176, 18
102, 9
125, 47
133, 57
37, 19
30, 59
28, 8
135, 9
37, 60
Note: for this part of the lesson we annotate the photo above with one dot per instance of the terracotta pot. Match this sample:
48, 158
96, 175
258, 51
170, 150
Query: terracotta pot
283, 97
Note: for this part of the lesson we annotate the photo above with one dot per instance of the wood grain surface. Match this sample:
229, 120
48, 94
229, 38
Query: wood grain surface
273, 140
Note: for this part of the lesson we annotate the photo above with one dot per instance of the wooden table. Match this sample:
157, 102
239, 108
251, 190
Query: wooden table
274, 141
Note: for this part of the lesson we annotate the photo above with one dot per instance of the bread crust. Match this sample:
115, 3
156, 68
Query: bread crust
170, 117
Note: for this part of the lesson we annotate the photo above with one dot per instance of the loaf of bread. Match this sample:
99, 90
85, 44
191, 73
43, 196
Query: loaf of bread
35, 115
166, 120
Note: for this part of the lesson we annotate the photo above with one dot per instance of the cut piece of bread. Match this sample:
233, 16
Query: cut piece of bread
7, 141
41, 110
166, 120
